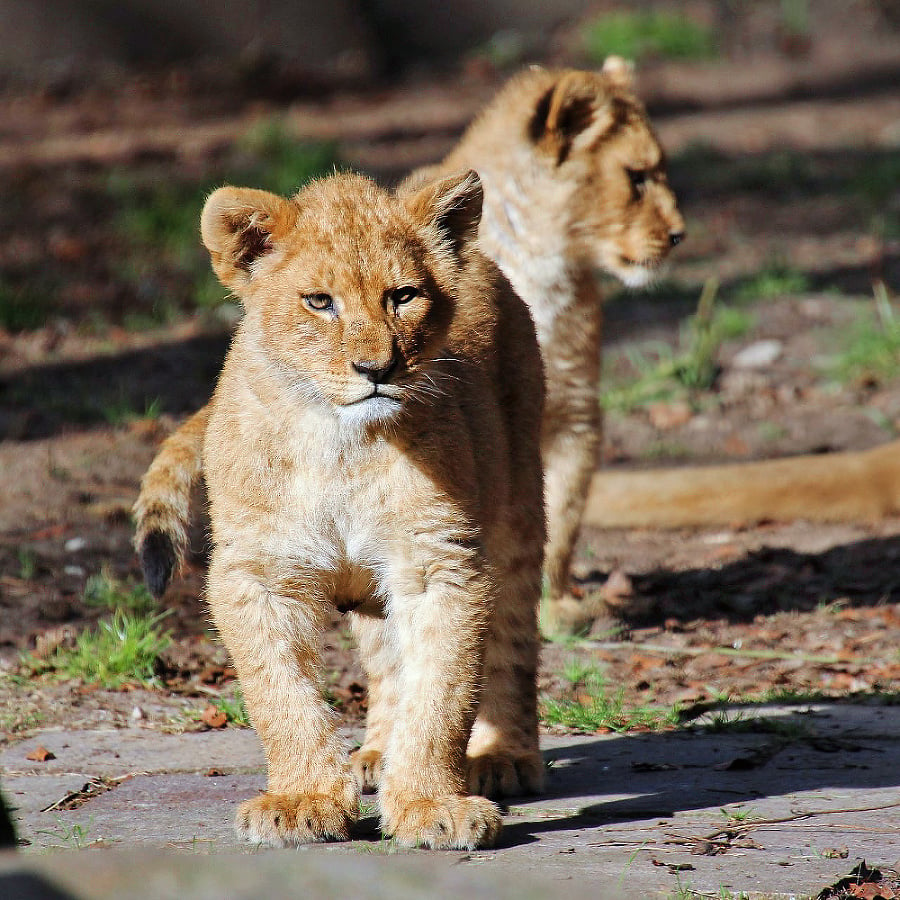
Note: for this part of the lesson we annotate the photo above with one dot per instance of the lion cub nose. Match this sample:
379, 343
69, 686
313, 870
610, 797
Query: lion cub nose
376, 371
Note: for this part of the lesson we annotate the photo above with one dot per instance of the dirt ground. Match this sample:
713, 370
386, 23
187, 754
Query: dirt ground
785, 162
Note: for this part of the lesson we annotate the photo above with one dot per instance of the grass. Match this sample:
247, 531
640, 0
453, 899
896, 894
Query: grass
727, 722
121, 410
74, 837
23, 307
125, 647
665, 373
872, 352
739, 816
776, 279
654, 34
27, 563
106, 591
234, 708
160, 217
588, 705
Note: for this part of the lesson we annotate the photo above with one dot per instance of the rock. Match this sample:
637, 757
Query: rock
758, 355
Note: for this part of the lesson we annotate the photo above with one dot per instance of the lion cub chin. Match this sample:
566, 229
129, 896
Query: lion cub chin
374, 444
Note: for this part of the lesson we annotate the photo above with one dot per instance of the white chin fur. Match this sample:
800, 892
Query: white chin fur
638, 276
367, 412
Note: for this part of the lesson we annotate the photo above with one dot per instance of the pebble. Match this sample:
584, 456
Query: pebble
758, 355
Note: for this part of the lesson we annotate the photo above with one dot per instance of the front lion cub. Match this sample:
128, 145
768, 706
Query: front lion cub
374, 444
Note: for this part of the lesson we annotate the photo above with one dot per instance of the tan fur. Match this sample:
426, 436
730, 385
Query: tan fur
381, 454
835, 487
554, 151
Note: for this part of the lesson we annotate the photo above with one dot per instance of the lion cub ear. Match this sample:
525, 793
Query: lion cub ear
452, 205
239, 227
575, 112
619, 72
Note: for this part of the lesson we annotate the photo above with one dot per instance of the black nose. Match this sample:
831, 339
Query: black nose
676, 237
376, 372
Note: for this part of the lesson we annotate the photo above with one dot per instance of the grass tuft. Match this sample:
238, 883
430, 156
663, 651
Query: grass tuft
122, 648
670, 374
589, 706
872, 353
107, 591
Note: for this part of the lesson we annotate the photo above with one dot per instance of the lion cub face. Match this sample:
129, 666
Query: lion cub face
350, 289
625, 216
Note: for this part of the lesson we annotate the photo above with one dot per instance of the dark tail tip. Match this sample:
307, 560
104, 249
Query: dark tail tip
158, 559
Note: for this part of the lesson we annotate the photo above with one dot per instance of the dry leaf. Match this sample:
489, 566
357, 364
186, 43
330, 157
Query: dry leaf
40, 754
213, 717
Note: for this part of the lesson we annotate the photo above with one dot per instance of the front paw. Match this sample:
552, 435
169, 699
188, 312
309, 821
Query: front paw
505, 774
367, 764
452, 822
283, 820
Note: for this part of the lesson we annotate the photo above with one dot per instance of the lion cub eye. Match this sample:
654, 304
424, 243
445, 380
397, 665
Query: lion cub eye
319, 302
637, 177
402, 295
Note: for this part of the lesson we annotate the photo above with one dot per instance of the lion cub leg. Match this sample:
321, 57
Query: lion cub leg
569, 460
440, 636
382, 662
273, 641
503, 758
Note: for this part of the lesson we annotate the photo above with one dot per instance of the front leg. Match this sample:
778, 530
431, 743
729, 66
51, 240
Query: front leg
273, 640
440, 633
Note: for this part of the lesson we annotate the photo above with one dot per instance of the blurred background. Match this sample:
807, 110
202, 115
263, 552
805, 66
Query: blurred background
781, 119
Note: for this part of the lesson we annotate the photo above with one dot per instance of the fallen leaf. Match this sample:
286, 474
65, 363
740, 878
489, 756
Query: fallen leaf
213, 717
40, 754
666, 416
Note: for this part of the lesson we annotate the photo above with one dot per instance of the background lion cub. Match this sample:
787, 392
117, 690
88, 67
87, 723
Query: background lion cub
374, 443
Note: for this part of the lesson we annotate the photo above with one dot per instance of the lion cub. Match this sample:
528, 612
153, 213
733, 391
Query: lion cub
373, 443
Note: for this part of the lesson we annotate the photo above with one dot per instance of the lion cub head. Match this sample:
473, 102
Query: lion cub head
348, 290
594, 130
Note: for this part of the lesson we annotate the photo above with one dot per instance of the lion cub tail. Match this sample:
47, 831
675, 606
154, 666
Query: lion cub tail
163, 507
854, 486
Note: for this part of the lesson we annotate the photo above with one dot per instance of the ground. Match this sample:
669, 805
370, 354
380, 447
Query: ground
787, 170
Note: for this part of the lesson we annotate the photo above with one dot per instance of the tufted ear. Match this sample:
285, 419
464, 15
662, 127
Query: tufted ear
239, 227
452, 205
575, 112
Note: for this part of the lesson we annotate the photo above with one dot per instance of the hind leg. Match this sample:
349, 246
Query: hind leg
382, 663
502, 757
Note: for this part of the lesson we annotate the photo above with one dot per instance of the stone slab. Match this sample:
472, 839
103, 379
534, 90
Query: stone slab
627, 814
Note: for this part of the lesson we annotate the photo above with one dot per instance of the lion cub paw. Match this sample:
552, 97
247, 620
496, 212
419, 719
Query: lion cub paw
566, 616
366, 765
505, 774
282, 820
452, 822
